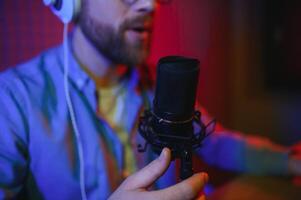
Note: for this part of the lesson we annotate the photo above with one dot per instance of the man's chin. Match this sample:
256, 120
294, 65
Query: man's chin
137, 56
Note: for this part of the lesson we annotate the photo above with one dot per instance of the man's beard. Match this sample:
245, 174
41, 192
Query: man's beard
111, 43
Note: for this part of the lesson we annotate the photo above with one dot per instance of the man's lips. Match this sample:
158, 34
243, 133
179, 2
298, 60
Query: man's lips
135, 35
141, 27
139, 32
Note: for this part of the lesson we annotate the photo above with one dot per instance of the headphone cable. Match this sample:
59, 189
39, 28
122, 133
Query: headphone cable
72, 115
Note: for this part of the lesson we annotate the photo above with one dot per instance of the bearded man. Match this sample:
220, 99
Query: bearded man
42, 156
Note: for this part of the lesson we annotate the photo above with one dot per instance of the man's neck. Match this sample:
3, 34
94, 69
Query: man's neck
100, 68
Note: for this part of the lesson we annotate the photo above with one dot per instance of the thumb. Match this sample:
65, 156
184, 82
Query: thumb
147, 175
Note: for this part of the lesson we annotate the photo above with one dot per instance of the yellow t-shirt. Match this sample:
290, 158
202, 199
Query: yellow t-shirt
111, 107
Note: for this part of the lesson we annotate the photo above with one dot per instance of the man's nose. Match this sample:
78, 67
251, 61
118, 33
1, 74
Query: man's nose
145, 6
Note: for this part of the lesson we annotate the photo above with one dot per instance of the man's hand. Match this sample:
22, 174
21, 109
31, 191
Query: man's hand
135, 186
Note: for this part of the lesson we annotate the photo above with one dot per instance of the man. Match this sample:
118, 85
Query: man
38, 147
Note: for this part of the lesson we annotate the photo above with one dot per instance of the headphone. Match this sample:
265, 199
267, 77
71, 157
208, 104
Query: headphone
66, 10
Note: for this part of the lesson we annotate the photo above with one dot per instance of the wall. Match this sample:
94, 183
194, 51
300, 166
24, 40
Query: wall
255, 108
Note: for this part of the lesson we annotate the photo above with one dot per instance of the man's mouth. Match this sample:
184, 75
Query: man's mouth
141, 28
139, 32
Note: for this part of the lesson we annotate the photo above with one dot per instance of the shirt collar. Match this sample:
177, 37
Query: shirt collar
76, 74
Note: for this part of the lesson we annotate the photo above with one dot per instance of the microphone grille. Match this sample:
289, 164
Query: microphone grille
176, 86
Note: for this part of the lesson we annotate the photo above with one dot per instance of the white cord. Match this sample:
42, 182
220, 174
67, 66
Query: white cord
72, 115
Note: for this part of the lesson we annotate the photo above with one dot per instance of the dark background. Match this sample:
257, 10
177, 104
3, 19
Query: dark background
281, 31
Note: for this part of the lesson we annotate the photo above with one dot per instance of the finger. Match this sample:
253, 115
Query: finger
147, 175
187, 189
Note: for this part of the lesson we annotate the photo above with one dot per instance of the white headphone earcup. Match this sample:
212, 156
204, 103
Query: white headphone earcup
68, 11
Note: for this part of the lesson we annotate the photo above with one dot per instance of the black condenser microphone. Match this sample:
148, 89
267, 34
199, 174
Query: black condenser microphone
173, 121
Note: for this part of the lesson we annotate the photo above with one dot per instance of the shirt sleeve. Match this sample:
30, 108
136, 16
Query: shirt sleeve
13, 142
233, 150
